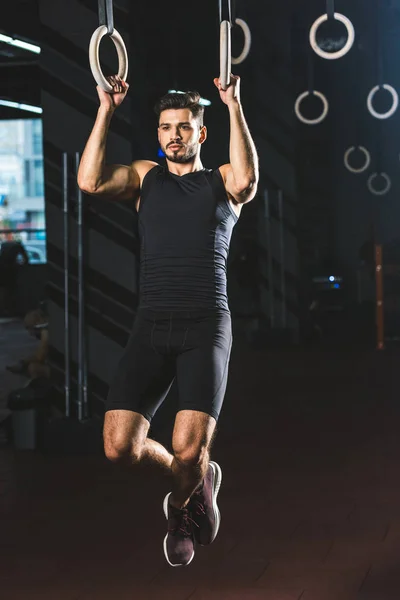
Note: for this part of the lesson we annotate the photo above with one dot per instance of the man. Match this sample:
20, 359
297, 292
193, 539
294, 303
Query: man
182, 327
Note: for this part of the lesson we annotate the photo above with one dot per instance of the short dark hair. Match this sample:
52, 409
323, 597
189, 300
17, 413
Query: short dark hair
175, 100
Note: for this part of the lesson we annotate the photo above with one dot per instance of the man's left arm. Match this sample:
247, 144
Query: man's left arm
242, 173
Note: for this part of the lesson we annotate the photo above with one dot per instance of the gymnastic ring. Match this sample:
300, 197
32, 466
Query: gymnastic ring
384, 190
354, 169
311, 121
395, 104
247, 42
350, 36
225, 53
94, 60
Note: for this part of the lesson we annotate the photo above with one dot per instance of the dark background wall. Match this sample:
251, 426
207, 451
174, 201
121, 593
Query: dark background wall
336, 201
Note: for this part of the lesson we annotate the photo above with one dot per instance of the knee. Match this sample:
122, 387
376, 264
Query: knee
190, 456
122, 452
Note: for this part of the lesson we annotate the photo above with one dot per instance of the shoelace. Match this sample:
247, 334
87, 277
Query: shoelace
183, 523
199, 506
200, 510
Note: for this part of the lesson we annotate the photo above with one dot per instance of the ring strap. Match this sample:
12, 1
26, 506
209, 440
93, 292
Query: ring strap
330, 9
106, 15
379, 49
225, 11
378, 146
233, 13
310, 71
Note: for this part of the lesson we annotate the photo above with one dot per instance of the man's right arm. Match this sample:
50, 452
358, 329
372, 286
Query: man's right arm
114, 182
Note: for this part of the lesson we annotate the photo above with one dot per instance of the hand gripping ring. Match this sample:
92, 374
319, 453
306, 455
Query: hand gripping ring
94, 60
384, 190
395, 104
318, 119
350, 37
354, 169
225, 57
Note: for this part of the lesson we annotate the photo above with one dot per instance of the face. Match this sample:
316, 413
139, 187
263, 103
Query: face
179, 135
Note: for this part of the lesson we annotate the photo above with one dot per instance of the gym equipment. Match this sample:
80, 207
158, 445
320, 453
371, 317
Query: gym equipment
385, 189
66, 287
331, 14
82, 365
356, 101
395, 103
365, 165
106, 27
76, 432
325, 108
379, 169
380, 321
226, 58
381, 85
311, 91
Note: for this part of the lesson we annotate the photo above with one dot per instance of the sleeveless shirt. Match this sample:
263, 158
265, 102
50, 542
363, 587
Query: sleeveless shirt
185, 228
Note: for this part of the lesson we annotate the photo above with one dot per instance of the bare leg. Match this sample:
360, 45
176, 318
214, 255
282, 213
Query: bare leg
192, 438
155, 454
126, 441
186, 478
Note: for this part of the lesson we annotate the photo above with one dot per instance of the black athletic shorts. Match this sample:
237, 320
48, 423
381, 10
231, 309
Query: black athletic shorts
192, 346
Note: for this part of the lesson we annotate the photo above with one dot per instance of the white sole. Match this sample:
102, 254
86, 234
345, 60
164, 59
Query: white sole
165, 507
217, 484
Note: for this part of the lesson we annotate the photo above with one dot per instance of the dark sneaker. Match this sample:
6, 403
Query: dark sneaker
179, 541
203, 506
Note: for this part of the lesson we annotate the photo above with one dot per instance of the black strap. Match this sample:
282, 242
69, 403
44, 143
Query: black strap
225, 11
106, 15
330, 8
379, 50
378, 146
310, 71
357, 102
233, 12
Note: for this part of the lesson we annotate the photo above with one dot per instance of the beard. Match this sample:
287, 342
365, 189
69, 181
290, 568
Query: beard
182, 155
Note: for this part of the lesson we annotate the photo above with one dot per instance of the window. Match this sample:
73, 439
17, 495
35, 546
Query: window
22, 185
38, 178
37, 136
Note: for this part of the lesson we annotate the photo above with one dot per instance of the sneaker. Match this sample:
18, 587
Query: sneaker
179, 541
203, 506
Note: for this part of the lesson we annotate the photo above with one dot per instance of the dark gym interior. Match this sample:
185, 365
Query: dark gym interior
308, 434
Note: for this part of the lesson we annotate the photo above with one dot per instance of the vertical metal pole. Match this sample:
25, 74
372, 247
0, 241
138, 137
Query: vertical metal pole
269, 258
66, 288
282, 257
380, 328
80, 293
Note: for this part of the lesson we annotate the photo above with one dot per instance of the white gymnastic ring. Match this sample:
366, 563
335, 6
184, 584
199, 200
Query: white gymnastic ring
94, 59
247, 42
350, 36
311, 121
395, 104
225, 54
384, 190
367, 159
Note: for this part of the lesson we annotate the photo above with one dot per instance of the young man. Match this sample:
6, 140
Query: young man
182, 328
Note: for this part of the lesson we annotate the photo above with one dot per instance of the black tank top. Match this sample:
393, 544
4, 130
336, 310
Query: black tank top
185, 228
